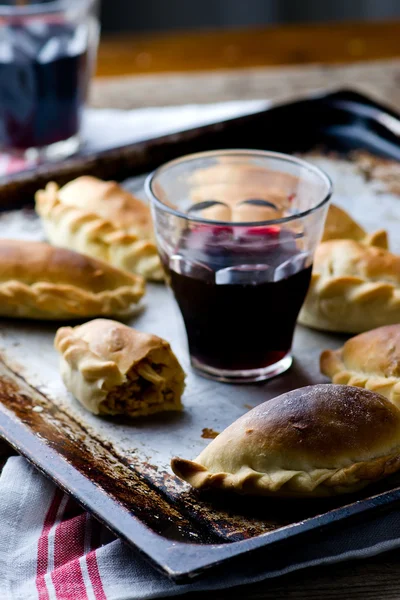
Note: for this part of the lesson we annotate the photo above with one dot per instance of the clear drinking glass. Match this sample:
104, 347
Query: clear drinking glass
236, 232
47, 55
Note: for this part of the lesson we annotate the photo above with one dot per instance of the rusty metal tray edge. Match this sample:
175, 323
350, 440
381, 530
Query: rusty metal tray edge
164, 554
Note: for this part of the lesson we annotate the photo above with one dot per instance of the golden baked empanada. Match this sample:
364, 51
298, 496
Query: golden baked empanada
101, 219
114, 370
339, 225
39, 281
370, 360
318, 440
353, 288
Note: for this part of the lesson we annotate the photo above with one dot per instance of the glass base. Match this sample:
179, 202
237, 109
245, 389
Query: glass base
248, 376
53, 152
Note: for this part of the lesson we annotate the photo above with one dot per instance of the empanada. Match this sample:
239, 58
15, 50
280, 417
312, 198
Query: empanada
38, 281
370, 360
339, 225
114, 370
353, 288
101, 219
319, 440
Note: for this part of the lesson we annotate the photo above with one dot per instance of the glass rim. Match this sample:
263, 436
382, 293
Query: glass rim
31, 10
148, 186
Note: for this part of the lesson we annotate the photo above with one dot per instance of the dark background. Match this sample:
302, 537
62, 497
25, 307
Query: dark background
164, 15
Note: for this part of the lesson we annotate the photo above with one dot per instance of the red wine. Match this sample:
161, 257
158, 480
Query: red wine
239, 294
42, 84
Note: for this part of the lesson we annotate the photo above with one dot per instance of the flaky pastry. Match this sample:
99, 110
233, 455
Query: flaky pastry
114, 370
319, 440
353, 288
339, 225
370, 360
101, 219
38, 281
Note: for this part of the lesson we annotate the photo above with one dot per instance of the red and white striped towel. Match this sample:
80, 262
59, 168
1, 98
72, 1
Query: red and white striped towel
52, 550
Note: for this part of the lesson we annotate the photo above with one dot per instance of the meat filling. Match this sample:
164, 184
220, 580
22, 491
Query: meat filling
150, 387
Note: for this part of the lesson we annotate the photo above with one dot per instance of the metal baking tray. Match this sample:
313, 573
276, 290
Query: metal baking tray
119, 470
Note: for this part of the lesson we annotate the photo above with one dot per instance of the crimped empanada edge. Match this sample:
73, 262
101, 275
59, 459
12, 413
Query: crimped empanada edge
332, 365
51, 301
353, 291
328, 482
102, 230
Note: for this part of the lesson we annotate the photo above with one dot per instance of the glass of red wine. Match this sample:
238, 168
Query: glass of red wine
236, 232
47, 55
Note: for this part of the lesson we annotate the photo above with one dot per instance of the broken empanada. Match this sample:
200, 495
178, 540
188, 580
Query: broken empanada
353, 288
115, 370
101, 219
370, 360
38, 281
319, 440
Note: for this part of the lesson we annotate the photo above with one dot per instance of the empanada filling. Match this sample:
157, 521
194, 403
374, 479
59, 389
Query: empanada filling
150, 387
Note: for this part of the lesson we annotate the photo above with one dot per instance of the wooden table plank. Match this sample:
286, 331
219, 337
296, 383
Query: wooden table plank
380, 79
372, 579
225, 49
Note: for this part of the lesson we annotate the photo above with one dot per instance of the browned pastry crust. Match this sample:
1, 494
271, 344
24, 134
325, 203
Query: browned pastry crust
339, 225
353, 288
314, 441
110, 201
101, 219
370, 360
42, 282
113, 369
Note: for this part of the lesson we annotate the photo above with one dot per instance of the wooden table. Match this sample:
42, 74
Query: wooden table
373, 579
231, 49
276, 63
